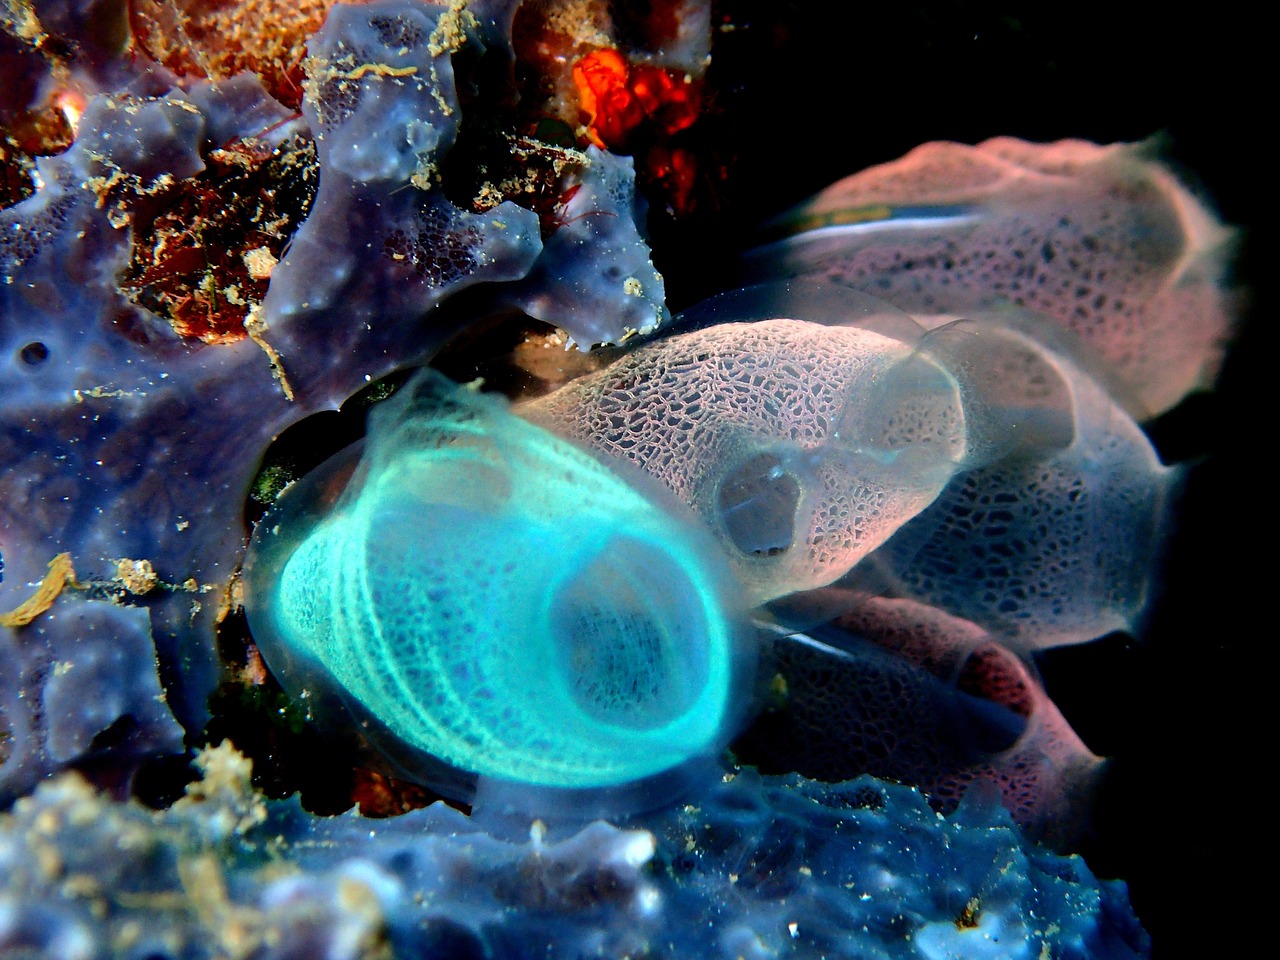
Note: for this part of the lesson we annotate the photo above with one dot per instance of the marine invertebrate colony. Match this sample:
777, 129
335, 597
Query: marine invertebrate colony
806, 447
202, 267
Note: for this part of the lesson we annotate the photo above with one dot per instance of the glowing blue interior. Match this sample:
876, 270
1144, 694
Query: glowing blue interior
500, 600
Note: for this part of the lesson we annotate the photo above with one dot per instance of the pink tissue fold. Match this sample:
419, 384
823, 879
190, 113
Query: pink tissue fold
858, 712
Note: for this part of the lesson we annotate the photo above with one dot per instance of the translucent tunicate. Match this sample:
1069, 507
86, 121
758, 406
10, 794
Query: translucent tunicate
1053, 537
802, 445
975, 466
498, 600
1102, 239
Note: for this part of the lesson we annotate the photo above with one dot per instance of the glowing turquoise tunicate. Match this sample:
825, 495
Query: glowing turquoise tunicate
499, 599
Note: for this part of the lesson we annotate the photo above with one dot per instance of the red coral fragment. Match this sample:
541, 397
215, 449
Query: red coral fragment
671, 100
204, 246
618, 96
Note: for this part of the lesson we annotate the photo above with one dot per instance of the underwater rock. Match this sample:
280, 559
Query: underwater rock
757, 867
1101, 238
499, 600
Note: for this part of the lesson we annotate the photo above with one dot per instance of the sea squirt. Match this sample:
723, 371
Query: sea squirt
497, 600
1055, 539
801, 443
1102, 239
821, 434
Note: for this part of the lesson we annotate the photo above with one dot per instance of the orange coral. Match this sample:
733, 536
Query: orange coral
612, 109
617, 96
671, 100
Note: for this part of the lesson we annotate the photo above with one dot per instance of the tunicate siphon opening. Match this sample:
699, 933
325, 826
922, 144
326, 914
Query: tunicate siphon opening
634, 651
757, 505
1001, 706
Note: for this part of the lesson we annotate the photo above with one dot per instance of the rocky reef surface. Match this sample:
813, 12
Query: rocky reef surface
756, 867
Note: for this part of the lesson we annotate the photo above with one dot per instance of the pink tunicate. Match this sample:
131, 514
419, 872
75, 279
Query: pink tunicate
902, 690
1104, 239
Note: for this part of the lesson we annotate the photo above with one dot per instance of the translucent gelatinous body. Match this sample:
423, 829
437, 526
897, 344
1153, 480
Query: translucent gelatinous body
802, 446
498, 599
975, 466
903, 691
1055, 540
1101, 238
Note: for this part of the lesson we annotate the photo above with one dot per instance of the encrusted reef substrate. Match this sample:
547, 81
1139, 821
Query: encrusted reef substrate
754, 867
199, 270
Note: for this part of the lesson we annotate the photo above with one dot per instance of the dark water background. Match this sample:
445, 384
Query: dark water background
810, 92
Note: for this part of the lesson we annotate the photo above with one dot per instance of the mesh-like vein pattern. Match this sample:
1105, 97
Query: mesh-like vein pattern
865, 451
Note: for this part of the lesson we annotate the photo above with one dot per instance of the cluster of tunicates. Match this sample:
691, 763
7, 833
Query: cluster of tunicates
476, 558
